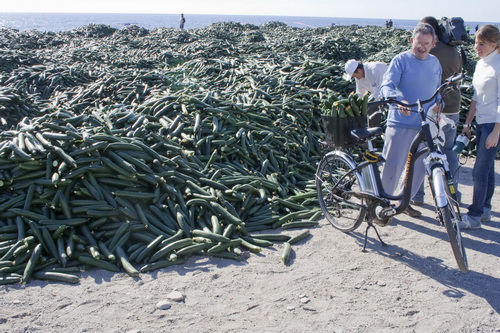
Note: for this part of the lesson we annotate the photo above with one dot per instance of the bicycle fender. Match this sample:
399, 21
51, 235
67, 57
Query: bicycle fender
353, 165
439, 187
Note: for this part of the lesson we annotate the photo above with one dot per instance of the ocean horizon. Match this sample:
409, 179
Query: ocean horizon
56, 22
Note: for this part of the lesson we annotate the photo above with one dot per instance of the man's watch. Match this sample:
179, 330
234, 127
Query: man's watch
467, 125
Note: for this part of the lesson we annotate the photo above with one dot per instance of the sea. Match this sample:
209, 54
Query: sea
56, 22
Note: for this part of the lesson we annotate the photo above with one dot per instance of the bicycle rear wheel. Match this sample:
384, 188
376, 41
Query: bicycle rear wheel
450, 217
343, 211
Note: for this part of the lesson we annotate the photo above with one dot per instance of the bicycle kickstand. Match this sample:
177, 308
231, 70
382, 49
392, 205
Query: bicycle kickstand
370, 225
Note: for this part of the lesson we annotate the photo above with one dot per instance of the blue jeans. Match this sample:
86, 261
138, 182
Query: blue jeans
483, 173
449, 140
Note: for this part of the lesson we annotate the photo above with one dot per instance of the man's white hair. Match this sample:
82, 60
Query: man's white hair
425, 29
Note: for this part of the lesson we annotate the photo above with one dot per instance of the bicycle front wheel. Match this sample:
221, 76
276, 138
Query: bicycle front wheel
450, 221
333, 179
449, 216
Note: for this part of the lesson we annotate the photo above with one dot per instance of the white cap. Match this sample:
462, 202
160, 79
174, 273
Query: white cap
350, 68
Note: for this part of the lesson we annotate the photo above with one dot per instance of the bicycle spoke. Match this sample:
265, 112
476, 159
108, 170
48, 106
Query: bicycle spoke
332, 181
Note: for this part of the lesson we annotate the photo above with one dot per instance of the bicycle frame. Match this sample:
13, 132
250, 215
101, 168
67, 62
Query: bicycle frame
374, 177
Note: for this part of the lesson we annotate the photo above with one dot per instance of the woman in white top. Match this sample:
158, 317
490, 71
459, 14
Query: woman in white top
485, 106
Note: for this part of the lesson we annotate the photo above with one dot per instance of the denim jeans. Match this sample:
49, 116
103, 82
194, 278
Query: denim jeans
483, 173
449, 140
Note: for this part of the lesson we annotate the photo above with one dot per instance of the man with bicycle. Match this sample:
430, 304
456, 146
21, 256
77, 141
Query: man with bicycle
412, 75
451, 63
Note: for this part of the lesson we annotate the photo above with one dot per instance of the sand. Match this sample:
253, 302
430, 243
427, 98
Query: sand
330, 285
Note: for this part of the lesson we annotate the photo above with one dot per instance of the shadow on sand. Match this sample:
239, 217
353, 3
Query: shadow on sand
480, 284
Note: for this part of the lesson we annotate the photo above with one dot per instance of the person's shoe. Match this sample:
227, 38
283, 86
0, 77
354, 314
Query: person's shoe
486, 217
412, 212
470, 222
417, 202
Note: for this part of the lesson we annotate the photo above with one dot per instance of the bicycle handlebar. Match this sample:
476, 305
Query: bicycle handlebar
447, 83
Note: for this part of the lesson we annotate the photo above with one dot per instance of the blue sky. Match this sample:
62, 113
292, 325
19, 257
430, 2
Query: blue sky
470, 10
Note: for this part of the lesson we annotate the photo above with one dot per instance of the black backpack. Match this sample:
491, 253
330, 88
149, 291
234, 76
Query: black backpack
452, 31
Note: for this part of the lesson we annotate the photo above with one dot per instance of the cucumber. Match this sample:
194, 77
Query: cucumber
160, 264
354, 102
49, 242
272, 237
56, 276
68, 159
127, 266
27, 213
30, 267
257, 241
210, 235
285, 255
299, 237
84, 259
106, 252
364, 104
193, 248
11, 202
9, 279
150, 247
224, 246
348, 111
178, 244
250, 246
299, 224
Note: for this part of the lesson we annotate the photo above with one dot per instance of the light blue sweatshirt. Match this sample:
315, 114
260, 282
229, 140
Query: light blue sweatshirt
409, 78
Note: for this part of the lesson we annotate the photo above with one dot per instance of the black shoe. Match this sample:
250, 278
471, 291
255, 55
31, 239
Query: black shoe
412, 212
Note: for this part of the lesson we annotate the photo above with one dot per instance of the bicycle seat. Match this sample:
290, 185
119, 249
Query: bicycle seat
364, 133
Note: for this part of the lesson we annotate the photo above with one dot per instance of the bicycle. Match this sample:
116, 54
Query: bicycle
350, 192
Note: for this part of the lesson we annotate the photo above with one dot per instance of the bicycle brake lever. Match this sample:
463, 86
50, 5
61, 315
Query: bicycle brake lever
454, 79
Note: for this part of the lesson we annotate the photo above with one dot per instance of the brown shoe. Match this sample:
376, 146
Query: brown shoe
416, 203
412, 212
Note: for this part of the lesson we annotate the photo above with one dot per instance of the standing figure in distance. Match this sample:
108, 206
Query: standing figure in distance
181, 22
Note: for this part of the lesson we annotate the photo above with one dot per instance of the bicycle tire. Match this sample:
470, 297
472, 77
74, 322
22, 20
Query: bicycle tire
455, 237
343, 212
450, 218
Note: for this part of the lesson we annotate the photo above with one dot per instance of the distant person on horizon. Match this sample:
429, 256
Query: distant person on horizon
182, 22
451, 63
412, 75
368, 80
485, 107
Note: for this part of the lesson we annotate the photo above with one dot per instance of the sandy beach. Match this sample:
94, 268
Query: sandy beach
330, 285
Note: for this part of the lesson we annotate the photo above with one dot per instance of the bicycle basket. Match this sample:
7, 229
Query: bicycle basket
338, 130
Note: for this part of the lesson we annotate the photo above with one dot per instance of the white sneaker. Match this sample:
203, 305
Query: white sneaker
470, 222
486, 217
